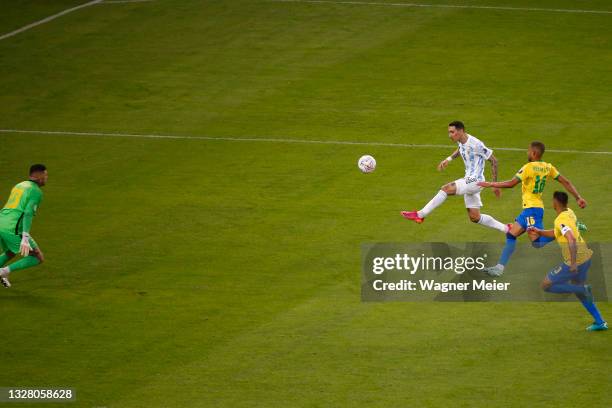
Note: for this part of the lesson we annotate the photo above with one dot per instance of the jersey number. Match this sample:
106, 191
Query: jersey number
539, 185
530, 221
14, 198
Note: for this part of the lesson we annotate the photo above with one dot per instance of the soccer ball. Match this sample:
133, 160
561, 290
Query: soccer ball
366, 163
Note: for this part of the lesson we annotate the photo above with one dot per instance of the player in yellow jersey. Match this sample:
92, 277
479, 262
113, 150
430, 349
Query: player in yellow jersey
571, 275
533, 177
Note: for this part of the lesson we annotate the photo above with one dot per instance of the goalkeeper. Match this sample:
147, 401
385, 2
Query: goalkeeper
15, 223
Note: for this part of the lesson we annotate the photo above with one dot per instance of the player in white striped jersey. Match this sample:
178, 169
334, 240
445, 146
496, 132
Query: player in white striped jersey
474, 154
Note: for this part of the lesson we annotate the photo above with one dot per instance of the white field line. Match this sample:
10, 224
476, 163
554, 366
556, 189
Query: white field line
47, 19
124, 1
274, 140
451, 6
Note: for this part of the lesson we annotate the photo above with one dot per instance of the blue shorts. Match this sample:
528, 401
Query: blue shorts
531, 217
562, 274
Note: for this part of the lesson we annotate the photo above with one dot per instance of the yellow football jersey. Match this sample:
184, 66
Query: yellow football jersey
533, 175
566, 221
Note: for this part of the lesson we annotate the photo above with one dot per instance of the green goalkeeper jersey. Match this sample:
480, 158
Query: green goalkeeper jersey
19, 210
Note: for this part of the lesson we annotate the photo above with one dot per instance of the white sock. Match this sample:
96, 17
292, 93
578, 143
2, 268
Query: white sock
491, 222
433, 204
4, 272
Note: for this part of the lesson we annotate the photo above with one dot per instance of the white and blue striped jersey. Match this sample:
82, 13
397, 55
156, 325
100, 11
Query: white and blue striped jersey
474, 154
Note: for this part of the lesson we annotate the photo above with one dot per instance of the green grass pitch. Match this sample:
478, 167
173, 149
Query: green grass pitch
199, 273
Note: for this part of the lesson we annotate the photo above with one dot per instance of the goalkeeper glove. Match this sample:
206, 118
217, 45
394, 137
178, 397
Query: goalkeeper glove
25, 248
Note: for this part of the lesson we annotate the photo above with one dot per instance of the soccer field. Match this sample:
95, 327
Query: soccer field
200, 270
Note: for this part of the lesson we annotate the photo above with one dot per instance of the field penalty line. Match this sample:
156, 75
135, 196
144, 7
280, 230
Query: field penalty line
448, 6
273, 140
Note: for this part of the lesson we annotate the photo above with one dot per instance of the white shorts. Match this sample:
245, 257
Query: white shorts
470, 192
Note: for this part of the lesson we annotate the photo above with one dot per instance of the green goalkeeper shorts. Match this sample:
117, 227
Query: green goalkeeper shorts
9, 241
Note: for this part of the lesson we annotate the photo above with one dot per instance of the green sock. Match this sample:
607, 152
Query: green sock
4, 258
23, 263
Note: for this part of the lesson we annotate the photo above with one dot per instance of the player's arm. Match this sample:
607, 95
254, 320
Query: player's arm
444, 163
572, 190
500, 184
493, 160
504, 184
540, 232
28, 217
571, 242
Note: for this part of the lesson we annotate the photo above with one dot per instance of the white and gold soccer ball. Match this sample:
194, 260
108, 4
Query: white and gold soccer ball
367, 163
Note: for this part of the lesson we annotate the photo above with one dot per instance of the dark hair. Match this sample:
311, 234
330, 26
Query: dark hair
457, 124
539, 146
561, 197
35, 168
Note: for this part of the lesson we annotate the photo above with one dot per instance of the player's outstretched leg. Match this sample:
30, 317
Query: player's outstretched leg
486, 220
514, 231
435, 202
491, 222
